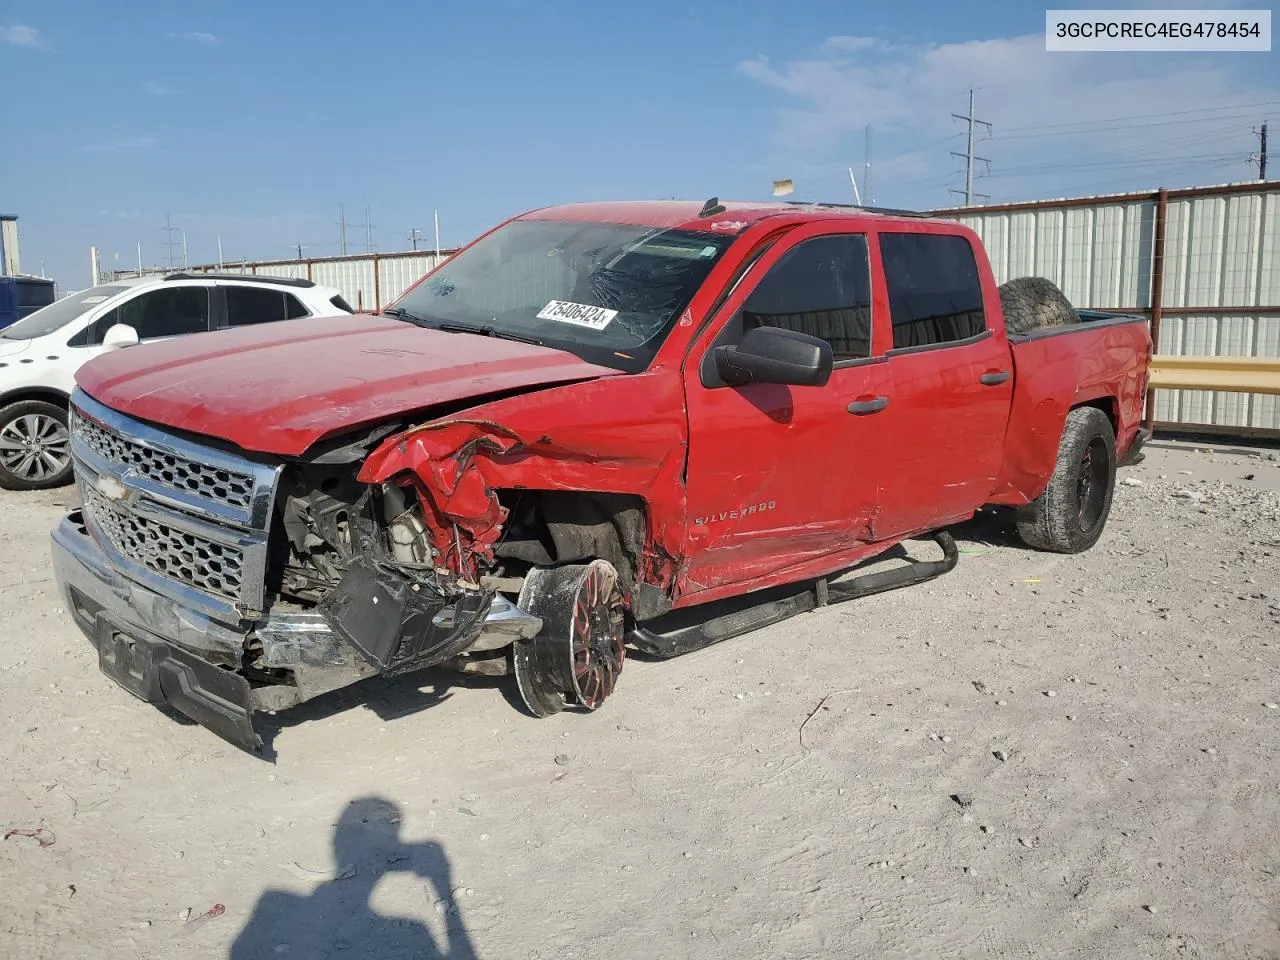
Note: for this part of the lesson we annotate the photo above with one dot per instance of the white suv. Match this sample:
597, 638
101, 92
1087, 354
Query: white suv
39, 355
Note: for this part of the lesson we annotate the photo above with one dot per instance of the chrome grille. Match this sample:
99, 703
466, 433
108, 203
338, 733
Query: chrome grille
183, 518
215, 568
167, 469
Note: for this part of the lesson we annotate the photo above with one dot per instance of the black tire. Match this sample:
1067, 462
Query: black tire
1034, 303
45, 424
1071, 514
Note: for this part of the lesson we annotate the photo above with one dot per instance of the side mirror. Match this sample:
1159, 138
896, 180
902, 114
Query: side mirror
774, 355
120, 335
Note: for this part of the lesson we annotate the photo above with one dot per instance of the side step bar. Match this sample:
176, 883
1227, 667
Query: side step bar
686, 633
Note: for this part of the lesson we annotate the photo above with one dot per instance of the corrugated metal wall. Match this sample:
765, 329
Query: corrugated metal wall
1221, 250
354, 276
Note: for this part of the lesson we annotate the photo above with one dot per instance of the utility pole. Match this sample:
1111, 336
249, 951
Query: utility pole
1260, 158
300, 248
169, 230
342, 226
219, 251
968, 156
368, 232
184, 249
413, 238
436, 213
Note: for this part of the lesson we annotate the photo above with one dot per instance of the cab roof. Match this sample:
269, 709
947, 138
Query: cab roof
715, 216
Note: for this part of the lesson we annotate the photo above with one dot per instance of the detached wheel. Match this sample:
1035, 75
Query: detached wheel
1034, 303
576, 658
35, 446
1070, 515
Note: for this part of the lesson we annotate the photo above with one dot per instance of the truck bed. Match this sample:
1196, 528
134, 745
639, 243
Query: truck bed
1100, 361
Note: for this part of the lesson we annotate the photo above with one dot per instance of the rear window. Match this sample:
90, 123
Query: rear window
935, 293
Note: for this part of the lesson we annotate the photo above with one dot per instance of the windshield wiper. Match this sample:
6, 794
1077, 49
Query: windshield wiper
487, 331
400, 313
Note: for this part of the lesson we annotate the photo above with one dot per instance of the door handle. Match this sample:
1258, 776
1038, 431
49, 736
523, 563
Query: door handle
860, 408
993, 379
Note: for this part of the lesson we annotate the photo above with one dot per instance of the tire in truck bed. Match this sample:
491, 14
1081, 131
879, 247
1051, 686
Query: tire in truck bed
1033, 303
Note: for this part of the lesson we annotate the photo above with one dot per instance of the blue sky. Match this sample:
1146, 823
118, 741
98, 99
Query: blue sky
254, 121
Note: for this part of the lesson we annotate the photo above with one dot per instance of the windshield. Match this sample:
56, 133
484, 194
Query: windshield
59, 313
609, 293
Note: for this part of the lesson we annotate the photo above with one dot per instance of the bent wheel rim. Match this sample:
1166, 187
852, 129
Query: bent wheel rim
35, 447
597, 647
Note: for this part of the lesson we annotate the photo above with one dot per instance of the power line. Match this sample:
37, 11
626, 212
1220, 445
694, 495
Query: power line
1216, 111
968, 154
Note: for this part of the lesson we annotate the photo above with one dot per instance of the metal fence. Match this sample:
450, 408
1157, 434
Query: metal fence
368, 282
1202, 264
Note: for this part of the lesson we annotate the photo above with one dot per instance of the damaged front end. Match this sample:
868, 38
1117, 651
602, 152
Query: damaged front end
222, 585
361, 557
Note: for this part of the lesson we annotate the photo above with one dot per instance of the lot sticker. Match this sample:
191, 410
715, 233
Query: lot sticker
579, 314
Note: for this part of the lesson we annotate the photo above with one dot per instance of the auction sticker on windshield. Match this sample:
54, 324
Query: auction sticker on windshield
579, 314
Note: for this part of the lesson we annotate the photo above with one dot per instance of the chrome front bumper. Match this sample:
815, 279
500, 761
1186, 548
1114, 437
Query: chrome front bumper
165, 652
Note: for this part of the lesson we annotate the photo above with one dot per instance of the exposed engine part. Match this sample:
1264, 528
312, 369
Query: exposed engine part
405, 530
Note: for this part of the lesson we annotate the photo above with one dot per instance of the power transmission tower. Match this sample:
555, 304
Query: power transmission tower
368, 232
169, 230
414, 236
342, 228
968, 156
1260, 158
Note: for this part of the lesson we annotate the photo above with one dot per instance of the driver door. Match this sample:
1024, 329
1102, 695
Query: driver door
779, 475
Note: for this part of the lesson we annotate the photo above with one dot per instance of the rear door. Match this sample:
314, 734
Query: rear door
952, 383
778, 475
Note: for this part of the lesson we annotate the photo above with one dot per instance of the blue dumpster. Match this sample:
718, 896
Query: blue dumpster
20, 296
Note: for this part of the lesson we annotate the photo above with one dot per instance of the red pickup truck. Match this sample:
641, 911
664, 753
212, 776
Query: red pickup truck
648, 424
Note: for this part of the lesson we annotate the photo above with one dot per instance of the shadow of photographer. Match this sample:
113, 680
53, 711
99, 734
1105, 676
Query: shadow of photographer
336, 919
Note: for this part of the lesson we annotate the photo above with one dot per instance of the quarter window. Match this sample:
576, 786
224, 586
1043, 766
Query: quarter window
935, 294
252, 305
821, 287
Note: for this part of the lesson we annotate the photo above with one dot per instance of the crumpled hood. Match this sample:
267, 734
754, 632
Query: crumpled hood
11, 348
278, 388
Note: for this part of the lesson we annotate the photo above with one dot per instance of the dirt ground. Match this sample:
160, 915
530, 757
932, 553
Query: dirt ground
1033, 756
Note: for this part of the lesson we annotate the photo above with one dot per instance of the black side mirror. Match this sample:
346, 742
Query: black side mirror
774, 355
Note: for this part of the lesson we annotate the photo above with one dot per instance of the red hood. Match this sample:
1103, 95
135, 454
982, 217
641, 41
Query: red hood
278, 388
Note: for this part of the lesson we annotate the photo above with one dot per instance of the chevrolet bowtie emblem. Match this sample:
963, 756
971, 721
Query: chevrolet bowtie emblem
111, 488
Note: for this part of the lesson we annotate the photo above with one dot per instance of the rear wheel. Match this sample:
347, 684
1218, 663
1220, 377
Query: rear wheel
577, 656
35, 446
1071, 514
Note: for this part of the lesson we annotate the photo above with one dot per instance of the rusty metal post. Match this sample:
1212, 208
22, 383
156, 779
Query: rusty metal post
1157, 292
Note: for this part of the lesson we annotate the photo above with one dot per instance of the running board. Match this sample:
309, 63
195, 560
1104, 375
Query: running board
703, 633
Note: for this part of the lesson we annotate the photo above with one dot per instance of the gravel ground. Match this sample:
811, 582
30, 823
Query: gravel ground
1033, 756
